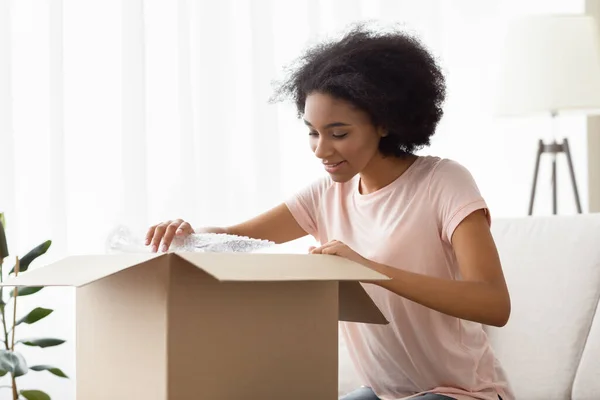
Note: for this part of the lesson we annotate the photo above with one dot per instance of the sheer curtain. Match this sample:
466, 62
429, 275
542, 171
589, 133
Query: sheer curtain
131, 112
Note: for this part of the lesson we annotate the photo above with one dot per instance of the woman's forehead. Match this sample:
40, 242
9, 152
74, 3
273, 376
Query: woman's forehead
323, 109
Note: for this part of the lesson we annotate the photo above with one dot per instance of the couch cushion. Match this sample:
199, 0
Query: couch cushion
587, 379
552, 267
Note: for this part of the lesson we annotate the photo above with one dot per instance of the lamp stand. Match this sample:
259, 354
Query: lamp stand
554, 148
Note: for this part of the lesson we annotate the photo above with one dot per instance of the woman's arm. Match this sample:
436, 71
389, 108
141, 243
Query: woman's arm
277, 225
482, 294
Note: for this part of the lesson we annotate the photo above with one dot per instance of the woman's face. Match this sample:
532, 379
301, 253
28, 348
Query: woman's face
341, 135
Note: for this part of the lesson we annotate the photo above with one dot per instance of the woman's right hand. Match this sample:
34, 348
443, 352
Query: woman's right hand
277, 225
163, 234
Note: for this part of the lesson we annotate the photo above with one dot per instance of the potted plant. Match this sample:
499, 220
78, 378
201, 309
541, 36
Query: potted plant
12, 363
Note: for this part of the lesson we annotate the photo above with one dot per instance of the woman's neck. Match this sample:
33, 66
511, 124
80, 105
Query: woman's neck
382, 171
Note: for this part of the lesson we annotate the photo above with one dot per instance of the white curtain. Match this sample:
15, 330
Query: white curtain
131, 112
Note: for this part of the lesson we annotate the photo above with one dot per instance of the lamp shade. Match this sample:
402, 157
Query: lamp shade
551, 64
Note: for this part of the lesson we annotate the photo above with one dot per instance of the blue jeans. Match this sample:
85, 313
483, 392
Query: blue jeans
365, 393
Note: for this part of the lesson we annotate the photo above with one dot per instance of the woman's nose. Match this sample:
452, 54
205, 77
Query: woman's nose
323, 149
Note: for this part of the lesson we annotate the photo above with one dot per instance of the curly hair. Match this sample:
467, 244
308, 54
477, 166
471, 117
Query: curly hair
388, 74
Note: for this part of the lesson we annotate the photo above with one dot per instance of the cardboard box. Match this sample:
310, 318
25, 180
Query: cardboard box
210, 326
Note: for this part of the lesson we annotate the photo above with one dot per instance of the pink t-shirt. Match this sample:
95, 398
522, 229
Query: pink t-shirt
408, 224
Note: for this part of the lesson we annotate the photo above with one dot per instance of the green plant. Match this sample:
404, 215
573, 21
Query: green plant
12, 363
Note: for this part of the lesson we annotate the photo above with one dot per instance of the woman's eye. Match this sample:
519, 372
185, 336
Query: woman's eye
313, 133
339, 135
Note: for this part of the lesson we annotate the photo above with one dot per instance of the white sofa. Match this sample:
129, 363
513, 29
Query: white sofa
551, 345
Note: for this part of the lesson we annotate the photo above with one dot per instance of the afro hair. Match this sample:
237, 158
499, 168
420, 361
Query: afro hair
388, 74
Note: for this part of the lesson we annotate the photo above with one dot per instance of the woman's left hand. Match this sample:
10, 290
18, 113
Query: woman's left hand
338, 248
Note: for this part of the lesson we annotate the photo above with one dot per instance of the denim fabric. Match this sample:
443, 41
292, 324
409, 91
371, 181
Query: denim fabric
365, 393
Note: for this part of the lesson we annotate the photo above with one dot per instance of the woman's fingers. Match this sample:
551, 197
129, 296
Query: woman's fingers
170, 234
165, 232
324, 248
159, 232
184, 229
150, 234
332, 250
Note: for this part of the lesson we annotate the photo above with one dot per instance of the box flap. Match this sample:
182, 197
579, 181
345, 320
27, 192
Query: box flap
78, 270
355, 305
280, 267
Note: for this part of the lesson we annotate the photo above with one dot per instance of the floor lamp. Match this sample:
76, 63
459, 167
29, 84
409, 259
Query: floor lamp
551, 66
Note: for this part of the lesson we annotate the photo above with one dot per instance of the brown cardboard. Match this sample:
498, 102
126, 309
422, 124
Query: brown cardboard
211, 326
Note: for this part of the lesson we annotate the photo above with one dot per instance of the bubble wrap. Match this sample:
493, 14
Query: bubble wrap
122, 240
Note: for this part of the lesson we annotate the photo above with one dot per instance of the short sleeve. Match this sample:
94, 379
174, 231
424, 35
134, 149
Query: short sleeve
454, 195
305, 205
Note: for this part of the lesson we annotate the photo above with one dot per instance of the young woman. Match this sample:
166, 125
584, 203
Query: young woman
369, 101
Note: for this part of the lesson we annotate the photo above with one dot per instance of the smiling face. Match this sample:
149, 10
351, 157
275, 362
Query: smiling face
341, 135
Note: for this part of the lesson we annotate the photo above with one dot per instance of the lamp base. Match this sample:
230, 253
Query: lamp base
554, 148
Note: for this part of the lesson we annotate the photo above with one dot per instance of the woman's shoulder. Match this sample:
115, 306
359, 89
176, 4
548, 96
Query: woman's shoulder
435, 164
441, 171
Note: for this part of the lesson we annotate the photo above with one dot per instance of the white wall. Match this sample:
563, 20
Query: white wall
501, 152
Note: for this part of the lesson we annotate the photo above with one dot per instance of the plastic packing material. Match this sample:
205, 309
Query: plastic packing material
123, 240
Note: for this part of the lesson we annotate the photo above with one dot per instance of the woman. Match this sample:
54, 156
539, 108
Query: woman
369, 101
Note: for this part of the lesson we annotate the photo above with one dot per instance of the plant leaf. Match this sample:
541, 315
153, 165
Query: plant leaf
35, 395
50, 369
32, 255
35, 315
14, 362
26, 290
2, 373
3, 243
41, 342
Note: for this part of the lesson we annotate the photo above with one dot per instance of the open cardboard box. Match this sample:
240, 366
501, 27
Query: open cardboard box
213, 326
